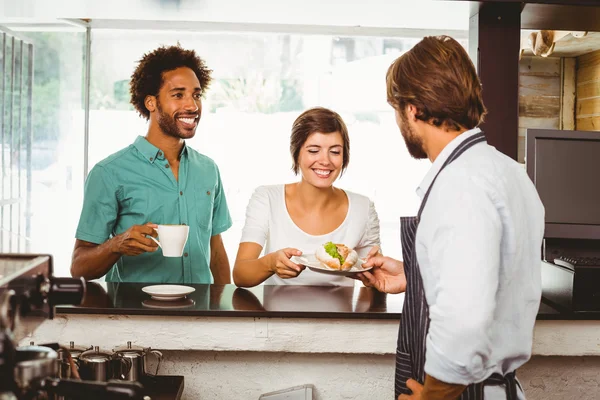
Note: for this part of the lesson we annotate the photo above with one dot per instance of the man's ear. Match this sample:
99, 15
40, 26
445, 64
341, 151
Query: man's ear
150, 103
411, 112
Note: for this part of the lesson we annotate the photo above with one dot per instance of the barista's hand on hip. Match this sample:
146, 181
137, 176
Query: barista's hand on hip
386, 276
416, 389
134, 242
281, 264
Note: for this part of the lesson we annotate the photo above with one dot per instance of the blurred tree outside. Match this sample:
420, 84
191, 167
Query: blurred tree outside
277, 88
54, 77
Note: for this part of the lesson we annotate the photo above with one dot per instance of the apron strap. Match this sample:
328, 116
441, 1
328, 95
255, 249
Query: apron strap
509, 381
462, 147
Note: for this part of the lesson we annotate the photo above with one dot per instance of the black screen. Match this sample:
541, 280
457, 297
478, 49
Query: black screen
567, 177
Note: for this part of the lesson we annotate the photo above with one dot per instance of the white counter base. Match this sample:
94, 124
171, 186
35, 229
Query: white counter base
290, 335
241, 358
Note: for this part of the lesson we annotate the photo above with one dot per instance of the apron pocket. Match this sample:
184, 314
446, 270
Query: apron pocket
403, 372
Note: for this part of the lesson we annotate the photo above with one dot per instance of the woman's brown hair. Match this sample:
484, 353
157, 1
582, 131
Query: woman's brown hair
320, 120
438, 78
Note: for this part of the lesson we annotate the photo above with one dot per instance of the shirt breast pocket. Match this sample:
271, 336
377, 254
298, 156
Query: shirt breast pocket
205, 201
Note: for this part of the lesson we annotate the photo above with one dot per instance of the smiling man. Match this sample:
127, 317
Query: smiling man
156, 180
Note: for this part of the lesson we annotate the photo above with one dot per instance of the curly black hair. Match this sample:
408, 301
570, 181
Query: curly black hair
147, 79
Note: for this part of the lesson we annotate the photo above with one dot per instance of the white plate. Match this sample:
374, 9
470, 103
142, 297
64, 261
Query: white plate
168, 292
315, 265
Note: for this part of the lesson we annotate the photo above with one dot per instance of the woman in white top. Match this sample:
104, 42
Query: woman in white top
289, 220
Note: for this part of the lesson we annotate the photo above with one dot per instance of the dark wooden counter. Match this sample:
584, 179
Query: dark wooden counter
231, 301
264, 301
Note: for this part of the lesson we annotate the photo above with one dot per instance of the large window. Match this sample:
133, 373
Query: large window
261, 83
42, 142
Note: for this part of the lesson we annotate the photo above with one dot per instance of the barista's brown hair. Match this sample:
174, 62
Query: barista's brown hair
438, 78
320, 120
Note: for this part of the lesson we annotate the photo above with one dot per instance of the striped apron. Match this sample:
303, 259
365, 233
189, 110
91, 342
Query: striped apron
414, 322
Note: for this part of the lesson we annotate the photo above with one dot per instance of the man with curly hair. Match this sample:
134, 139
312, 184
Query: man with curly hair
156, 180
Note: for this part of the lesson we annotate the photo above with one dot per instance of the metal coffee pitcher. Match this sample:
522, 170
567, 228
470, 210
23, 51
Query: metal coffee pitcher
96, 365
34, 363
65, 366
137, 356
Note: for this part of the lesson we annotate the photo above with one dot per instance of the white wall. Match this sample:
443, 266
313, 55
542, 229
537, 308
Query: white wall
244, 376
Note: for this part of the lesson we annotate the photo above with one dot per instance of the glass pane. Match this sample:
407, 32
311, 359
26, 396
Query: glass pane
53, 166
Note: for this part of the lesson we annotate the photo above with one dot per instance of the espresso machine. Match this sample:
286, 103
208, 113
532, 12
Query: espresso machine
28, 295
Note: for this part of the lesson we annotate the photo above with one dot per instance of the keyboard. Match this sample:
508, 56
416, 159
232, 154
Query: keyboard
578, 261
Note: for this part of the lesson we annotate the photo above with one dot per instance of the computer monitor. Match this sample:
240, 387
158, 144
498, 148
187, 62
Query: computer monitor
565, 168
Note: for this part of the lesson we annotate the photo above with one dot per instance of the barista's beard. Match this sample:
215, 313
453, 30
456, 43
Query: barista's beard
414, 143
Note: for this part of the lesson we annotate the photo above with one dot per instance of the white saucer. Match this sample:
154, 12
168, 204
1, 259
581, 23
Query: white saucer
315, 265
168, 292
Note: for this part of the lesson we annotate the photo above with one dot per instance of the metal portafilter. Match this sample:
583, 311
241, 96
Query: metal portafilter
65, 291
28, 295
34, 299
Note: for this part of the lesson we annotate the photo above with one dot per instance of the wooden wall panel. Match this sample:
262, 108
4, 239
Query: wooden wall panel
588, 74
588, 107
539, 106
589, 59
587, 114
568, 93
539, 96
589, 89
588, 124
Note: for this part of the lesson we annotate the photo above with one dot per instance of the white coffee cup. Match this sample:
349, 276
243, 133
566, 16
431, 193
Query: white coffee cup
172, 239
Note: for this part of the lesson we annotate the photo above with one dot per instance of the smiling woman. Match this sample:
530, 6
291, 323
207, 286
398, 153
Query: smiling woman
291, 220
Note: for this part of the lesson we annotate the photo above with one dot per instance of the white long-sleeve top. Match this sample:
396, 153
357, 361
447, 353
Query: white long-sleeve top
479, 249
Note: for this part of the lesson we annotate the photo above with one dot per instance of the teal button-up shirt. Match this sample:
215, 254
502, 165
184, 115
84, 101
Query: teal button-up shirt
135, 186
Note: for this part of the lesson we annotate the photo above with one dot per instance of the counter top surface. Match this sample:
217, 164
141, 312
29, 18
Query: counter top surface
264, 301
231, 301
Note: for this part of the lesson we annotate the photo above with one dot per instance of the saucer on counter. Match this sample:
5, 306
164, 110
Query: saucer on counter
168, 292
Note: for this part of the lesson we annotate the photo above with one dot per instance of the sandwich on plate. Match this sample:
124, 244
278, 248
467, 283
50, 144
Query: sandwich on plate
336, 256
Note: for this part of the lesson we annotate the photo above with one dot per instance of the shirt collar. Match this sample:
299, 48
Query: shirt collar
441, 159
151, 152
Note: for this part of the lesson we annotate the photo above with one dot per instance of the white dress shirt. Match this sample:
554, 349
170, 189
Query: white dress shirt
478, 245
269, 224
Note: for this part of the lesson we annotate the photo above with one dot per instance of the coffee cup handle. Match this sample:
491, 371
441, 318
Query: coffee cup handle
156, 240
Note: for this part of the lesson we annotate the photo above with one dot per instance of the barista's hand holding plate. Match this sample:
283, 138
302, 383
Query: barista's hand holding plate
386, 276
282, 265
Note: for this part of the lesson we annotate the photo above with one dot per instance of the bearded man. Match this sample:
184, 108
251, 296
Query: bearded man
472, 267
156, 180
